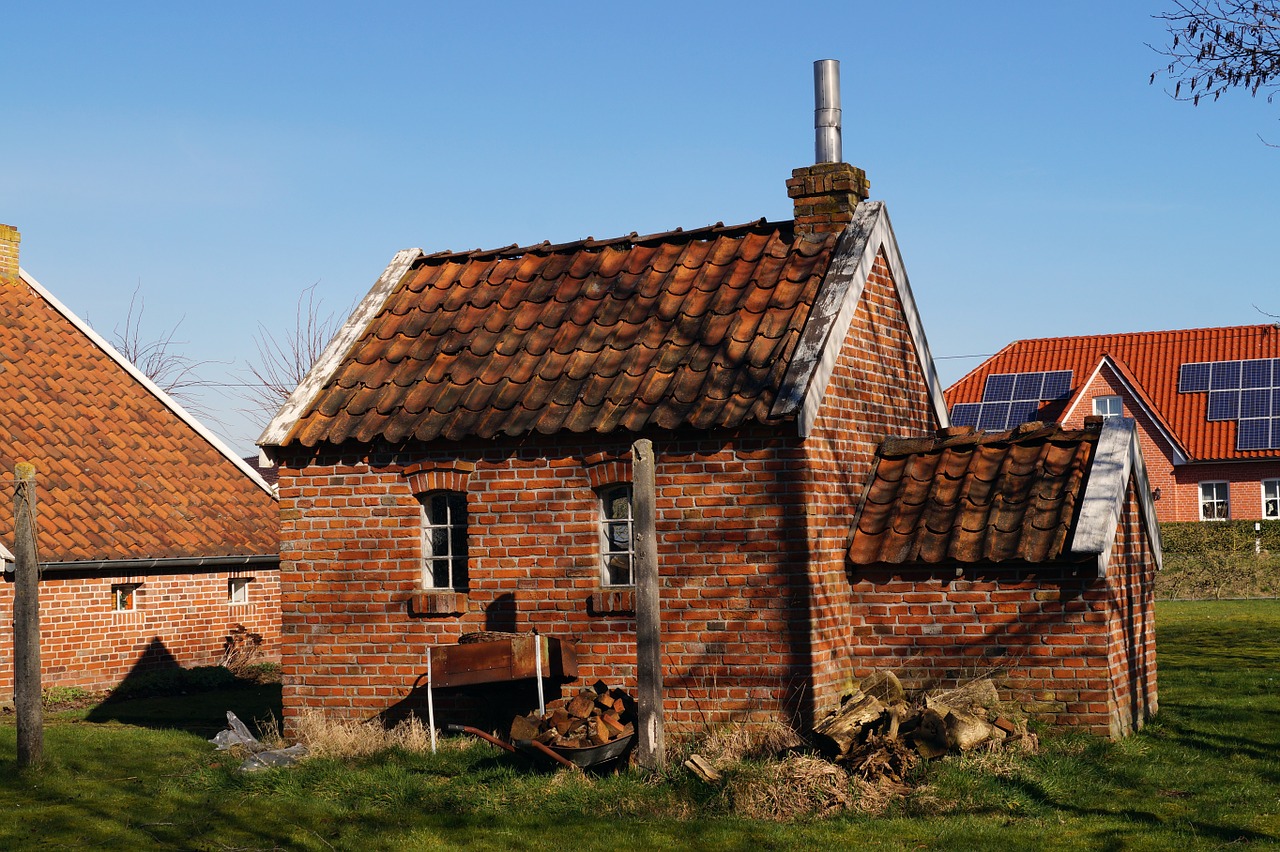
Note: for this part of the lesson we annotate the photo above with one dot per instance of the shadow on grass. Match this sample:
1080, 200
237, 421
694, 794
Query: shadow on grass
203, 713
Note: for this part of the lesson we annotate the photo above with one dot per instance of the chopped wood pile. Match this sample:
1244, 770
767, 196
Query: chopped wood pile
876, 733
595, 716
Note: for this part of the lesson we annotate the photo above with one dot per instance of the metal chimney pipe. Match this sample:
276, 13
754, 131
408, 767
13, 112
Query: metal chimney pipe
826, 111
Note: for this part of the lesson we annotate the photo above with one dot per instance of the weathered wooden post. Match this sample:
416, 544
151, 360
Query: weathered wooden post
26, 618
651, 750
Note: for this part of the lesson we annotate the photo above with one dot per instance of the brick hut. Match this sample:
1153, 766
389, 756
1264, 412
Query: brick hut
458, 460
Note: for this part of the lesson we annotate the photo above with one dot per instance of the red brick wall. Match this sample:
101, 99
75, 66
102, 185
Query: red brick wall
876, 391
1068, 647
181, 618
1179, 486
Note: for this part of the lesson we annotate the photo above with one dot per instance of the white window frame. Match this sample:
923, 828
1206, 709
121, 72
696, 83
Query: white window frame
444, 540
617, 551
1109, 401
1221, 496
1271, 492
124, 597
238, 591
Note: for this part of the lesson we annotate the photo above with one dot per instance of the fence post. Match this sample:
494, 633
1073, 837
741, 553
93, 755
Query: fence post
651, 750
26, 619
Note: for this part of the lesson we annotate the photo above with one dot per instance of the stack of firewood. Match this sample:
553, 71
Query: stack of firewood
876, 732
595, 716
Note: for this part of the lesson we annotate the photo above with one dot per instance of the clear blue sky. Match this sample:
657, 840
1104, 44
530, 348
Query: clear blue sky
223, 157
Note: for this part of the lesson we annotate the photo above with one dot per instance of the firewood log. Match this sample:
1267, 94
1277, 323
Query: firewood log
842, 728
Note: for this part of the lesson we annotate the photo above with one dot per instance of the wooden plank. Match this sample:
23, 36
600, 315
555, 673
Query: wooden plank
502, 660
651, 746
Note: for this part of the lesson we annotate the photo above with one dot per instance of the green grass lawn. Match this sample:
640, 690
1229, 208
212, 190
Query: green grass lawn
1204, 774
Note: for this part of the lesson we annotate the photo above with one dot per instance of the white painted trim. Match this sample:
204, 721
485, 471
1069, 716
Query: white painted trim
807, 377
129, 367
1178, 453
1200, 498
327, 364
1116, 461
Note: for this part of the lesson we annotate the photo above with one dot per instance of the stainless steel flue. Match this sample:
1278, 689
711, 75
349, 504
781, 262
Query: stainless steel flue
826, 111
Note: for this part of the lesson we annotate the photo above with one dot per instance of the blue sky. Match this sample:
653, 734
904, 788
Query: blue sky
223, 157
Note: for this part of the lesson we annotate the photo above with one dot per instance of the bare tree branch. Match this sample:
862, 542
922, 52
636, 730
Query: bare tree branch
1217, 45
285, 357
160, 360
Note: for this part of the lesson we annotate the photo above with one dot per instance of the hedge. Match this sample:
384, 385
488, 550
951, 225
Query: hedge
1192, 537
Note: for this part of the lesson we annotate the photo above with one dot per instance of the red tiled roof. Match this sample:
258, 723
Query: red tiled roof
1151, 360
679, 329
119, 474
975, 497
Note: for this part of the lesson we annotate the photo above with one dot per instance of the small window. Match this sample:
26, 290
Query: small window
444, 540
238, 590
1271, 499
124, 596
1214, 501
1108, 406
615, 535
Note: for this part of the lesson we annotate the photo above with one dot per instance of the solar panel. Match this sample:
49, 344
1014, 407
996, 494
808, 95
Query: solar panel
1254, 434
1224, 375
1057, 384
1022, 412
1027, 385
994, 417
1256, 374
1275, 404
965, 413
1275, 434
1193, 378
999, 387
1224, 405
1255, 402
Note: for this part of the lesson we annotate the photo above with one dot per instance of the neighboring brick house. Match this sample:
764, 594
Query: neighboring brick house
156, 543
458, 460
1206, 401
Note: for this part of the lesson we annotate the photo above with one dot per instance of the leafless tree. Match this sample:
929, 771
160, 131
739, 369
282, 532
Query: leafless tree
160, 358
1216, 45
286, 355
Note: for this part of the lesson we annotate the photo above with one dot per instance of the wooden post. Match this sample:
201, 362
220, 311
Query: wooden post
651, 750
26, 619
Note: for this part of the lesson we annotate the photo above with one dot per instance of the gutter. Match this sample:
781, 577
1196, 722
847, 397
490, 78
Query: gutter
139, 566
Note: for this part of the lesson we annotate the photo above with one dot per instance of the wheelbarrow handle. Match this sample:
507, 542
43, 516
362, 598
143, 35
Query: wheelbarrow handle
563, 761
476, 732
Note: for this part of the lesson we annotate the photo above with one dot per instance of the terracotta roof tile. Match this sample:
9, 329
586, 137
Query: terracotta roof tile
684, 328
1149, 360
975, 497
120, 475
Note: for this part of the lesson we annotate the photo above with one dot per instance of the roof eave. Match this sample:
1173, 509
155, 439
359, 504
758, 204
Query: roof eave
278, 431
1179, 455
809, 372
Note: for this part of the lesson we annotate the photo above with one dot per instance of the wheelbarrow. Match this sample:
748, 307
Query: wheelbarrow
571, 758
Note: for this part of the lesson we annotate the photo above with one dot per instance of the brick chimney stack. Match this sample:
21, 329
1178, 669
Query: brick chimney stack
825, 196
9, 239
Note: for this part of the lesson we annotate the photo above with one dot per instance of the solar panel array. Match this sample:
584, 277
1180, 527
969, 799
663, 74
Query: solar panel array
1011, 398
1247, 392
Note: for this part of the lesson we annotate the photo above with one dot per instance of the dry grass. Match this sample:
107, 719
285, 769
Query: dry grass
731, 744
796, 787
328, 737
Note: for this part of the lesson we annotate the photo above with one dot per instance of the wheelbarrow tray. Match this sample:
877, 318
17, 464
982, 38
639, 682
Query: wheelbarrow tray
587, 757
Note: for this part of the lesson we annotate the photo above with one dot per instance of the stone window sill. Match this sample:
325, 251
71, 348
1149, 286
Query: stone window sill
438, 603
617, 600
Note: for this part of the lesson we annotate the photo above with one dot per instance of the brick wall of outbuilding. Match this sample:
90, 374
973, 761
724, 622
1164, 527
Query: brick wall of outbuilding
1066, 646
180, 619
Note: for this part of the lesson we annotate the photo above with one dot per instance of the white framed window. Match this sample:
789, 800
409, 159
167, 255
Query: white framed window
1271, 499
1108, 406
124, 596
1215, 501
616, 526
238, 590
444, 540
